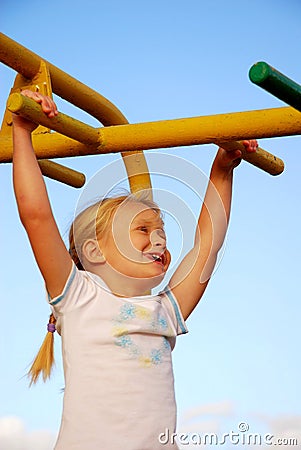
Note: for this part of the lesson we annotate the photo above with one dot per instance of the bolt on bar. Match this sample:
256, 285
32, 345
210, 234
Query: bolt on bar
276, 84
161, 134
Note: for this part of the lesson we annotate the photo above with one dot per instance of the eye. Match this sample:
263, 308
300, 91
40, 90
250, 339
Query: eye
143, 229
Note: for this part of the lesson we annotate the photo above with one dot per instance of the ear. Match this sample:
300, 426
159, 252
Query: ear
92, 252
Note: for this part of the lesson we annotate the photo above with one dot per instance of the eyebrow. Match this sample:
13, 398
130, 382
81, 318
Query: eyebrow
141, 221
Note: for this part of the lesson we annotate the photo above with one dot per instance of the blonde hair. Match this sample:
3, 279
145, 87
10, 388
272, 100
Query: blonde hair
94, 221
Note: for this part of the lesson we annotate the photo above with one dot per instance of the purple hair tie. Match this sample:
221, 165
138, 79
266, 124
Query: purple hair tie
51, 327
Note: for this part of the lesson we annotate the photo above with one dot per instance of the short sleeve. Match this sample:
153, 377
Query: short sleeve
170, 304
79, 289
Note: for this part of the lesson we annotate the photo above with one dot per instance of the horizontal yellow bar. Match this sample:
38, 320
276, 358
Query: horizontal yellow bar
170, 133
264, 123
54, 145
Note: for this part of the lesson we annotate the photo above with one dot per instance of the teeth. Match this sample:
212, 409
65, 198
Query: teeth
156, 257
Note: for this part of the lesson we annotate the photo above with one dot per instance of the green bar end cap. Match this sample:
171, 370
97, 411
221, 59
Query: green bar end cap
259, 72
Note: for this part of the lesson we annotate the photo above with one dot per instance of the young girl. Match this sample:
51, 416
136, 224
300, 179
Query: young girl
116, 338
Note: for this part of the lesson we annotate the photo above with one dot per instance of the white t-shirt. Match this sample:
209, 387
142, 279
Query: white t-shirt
119, 385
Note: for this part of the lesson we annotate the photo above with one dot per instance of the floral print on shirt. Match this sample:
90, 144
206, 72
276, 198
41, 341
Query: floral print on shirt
154, 324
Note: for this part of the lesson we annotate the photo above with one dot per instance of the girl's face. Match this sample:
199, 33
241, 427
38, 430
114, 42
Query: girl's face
136, 245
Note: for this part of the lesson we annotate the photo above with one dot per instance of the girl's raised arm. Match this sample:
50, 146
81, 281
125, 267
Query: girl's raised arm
191, 278
33, 203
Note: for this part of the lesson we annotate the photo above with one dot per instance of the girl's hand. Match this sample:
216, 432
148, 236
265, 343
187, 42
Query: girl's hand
48, 107
228, 160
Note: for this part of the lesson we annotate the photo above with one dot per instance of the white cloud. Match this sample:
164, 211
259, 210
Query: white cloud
285, 428
284, 423
218, 409
14, 436
201, 426
288, 429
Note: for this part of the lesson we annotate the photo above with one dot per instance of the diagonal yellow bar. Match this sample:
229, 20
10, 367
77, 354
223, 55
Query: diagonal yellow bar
62, 173
28, 108
170, 133
27, 63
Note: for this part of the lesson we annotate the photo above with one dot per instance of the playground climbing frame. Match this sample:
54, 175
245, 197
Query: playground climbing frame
75, 138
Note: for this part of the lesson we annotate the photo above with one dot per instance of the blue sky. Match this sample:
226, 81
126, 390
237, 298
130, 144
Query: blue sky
160, 60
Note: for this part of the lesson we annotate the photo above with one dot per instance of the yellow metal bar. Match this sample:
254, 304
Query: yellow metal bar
261, 159
54, 145
28, 108
48, 168
61, 173
169, 133
202, 130
27, 63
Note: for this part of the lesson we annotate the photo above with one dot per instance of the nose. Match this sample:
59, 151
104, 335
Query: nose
158, 238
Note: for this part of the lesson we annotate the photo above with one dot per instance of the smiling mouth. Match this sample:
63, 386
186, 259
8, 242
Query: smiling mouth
156, 257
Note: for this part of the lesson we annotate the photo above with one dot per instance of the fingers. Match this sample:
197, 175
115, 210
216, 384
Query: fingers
47, 104
234, 157
228, 159
251, 145
49, 107
230, 155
